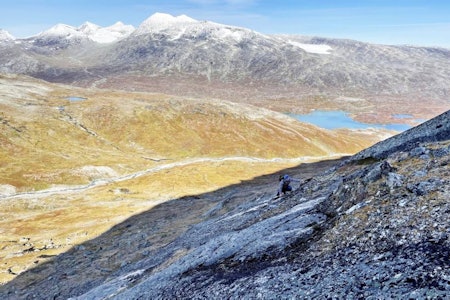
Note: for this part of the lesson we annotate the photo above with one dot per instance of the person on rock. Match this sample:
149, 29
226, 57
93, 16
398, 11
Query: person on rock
285, 184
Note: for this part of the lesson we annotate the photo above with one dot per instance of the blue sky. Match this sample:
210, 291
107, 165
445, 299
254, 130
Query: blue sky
413, 22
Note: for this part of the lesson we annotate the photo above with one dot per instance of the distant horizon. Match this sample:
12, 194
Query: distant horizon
402, 22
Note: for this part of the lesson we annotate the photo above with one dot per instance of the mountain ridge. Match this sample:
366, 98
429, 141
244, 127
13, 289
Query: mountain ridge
201, 58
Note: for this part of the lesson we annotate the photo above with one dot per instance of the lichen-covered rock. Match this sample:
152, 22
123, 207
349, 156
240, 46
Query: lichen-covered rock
394, 180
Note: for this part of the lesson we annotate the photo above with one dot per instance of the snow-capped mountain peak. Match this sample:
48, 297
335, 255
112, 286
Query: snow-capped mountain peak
5, 36
89, 31
160, 22
111, 33
88, 28
184, 26
167, 19
62, 30
120, 26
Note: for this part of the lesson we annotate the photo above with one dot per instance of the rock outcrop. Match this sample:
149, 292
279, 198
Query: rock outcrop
374, 226
437, 129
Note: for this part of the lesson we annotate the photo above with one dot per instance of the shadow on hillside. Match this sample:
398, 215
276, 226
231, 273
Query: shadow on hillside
89, 264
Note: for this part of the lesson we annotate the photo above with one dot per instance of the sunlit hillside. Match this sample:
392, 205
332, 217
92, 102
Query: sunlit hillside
74, 162
47, 139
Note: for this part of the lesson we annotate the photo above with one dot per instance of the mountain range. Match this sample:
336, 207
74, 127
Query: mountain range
287, 73
87, 31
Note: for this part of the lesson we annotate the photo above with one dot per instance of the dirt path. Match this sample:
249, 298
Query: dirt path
106, 181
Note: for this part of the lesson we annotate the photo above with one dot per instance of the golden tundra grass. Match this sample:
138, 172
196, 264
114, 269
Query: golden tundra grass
48, 142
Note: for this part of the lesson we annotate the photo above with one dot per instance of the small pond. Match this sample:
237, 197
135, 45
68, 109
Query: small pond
340, 119
75, 99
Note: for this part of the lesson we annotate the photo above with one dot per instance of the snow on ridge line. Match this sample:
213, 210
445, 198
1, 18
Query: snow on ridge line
61, 30
112, 33
8, 195
313, 48
162, 21
167, 18
176, 27
90, 31
6, 36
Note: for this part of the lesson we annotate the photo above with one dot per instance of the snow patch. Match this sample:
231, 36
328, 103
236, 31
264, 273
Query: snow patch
313, 48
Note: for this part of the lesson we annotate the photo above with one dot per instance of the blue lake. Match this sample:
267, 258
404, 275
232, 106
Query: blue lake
340, 119
74, 99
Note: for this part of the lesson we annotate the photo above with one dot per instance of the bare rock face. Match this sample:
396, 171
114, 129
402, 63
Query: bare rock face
372, 226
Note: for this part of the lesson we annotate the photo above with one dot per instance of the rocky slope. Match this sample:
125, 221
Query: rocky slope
371, 226
183, 56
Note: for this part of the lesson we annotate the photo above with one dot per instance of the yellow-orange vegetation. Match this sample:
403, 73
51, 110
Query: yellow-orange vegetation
69, 170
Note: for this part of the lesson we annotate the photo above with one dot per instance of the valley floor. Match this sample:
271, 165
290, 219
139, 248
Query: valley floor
36, 226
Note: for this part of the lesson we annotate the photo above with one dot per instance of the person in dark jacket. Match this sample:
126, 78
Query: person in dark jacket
285, 184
